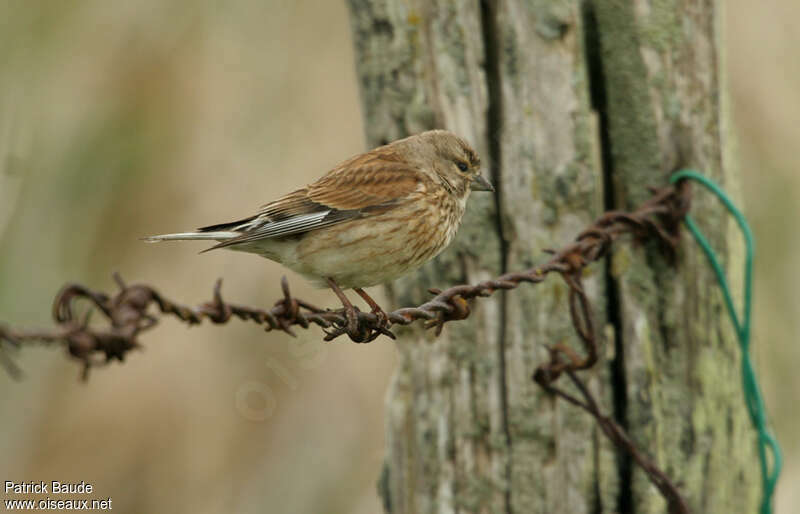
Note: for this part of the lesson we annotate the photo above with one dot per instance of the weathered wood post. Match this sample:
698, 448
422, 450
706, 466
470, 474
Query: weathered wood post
575, 107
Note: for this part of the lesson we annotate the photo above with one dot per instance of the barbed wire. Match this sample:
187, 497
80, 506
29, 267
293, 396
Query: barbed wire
128, 314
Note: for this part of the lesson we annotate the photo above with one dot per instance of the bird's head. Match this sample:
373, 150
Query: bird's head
449, 160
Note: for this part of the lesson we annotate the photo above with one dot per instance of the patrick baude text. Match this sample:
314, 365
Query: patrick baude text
42, 487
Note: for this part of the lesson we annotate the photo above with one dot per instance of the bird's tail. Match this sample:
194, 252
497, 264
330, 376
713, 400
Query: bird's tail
189, 236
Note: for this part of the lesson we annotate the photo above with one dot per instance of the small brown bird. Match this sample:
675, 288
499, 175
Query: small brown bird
371, 219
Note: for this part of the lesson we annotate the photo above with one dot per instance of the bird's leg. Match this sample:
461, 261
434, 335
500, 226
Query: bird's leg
349, 311
383, 319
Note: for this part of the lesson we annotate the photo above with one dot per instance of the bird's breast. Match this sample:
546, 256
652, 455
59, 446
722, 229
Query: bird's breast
381, 247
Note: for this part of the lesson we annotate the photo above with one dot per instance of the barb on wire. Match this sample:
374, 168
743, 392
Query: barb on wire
130, 312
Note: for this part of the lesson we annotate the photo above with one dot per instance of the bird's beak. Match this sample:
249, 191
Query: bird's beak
480, 184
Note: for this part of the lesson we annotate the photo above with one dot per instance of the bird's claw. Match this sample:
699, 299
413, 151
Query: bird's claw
351, 315
383, 318
358, 329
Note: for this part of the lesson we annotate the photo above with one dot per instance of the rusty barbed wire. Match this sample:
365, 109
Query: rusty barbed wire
617, 435
127, 314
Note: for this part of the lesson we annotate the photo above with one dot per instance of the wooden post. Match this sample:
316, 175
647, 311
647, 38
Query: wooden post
575, 107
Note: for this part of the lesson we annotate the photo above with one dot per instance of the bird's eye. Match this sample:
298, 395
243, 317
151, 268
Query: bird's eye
462, 165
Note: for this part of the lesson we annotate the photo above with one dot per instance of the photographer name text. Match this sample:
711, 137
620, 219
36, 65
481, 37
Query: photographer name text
53, 487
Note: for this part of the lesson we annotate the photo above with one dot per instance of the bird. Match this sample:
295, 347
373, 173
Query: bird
369, 220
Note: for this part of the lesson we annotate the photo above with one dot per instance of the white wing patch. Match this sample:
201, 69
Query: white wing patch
262, 228
265, 228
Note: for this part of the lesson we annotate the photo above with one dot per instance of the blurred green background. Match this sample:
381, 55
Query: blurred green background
122, 119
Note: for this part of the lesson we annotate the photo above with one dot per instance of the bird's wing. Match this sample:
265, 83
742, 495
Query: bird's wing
367, 184
368, 180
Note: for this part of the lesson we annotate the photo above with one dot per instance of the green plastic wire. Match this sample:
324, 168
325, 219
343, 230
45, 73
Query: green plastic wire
752, 392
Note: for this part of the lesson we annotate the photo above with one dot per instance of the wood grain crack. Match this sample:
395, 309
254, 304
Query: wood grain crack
494, 123
619, 385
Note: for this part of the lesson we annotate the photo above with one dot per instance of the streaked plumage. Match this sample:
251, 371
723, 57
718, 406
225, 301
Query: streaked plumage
369, 220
